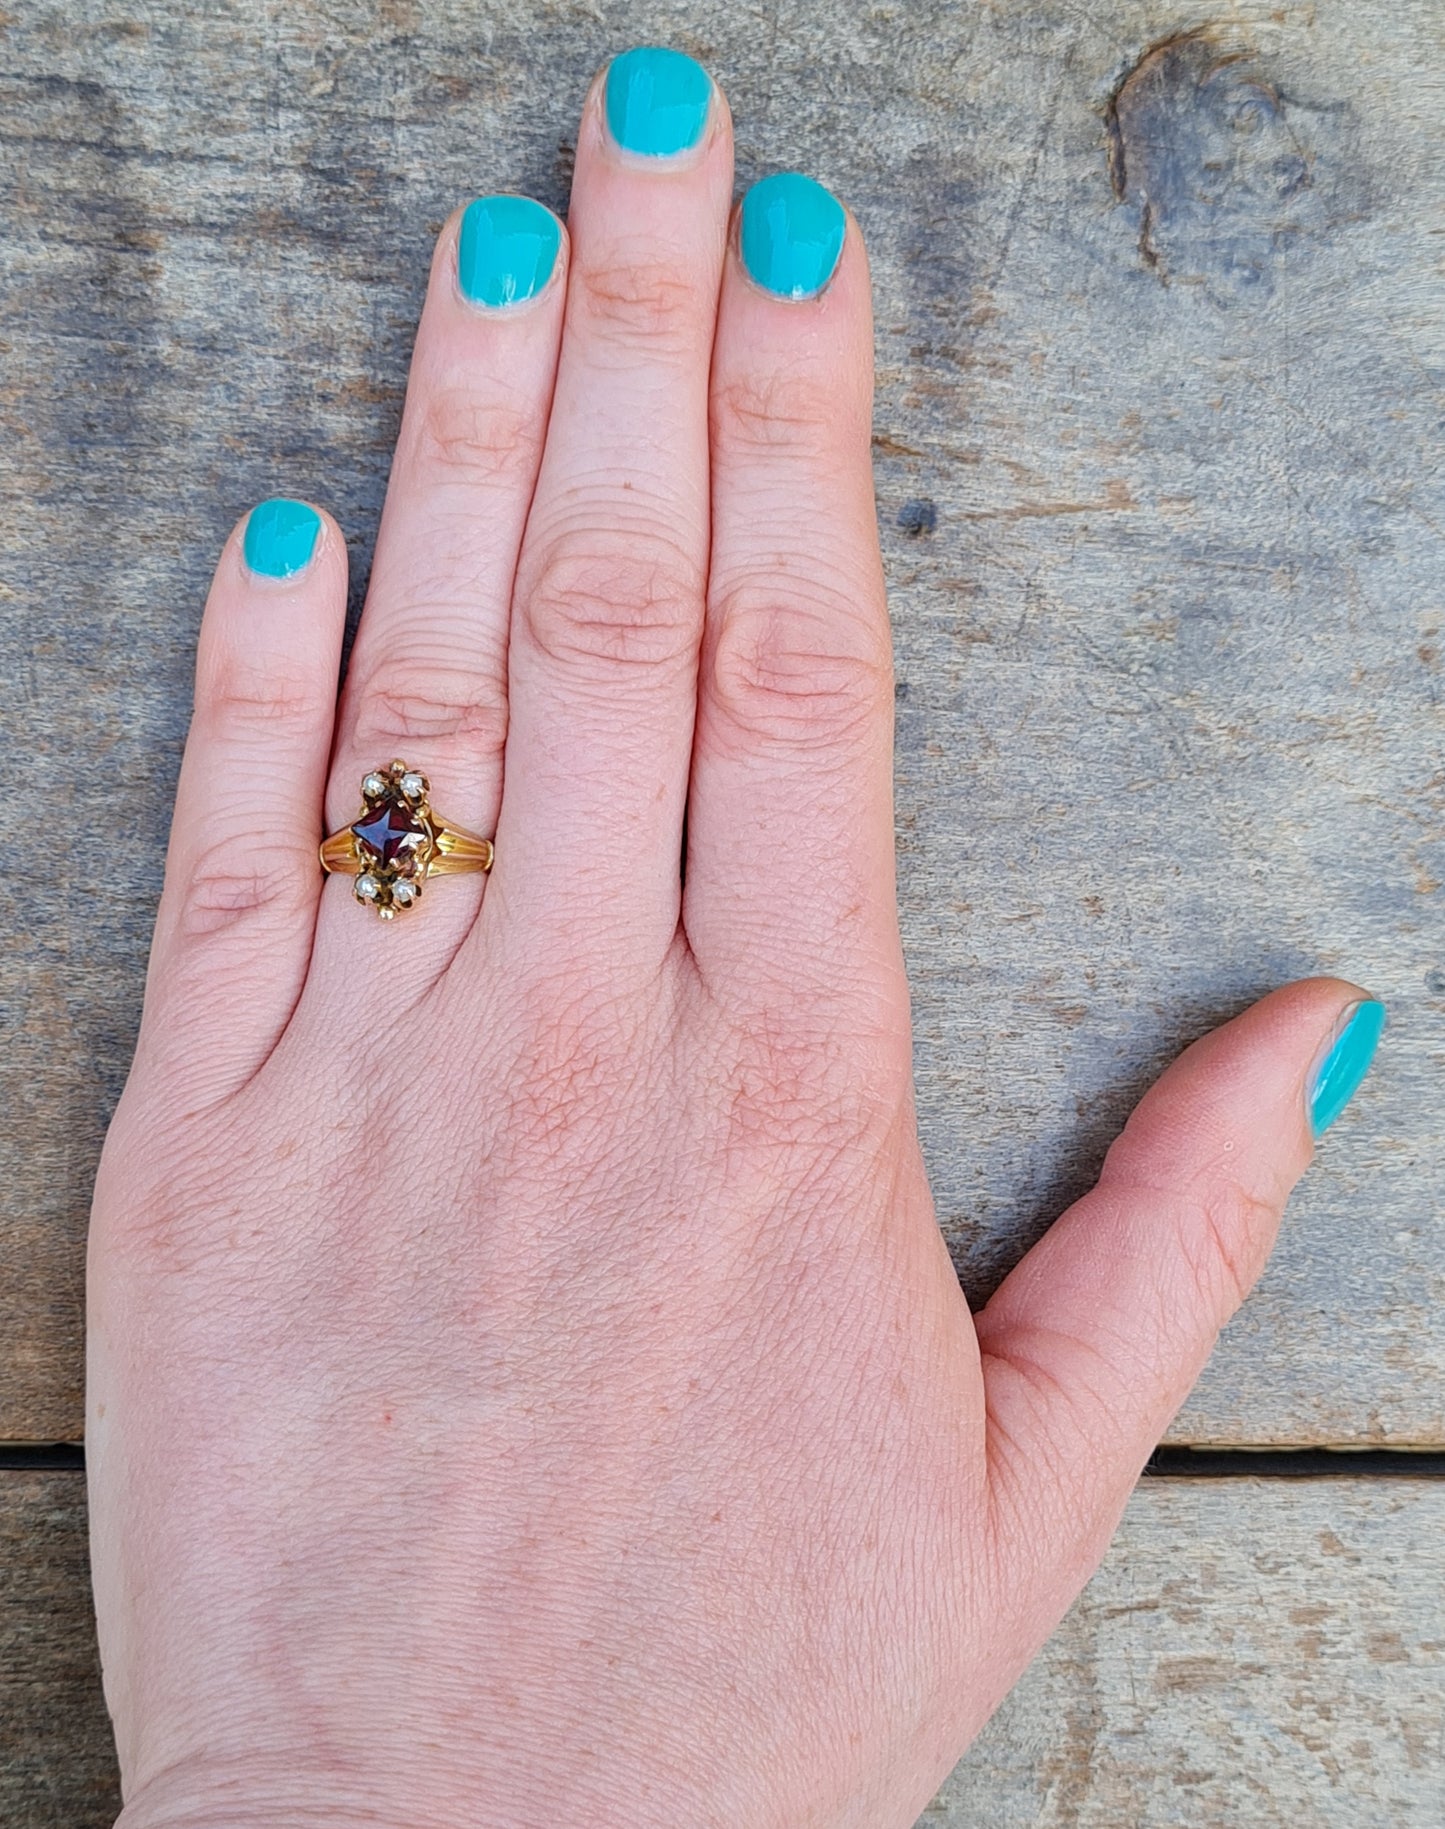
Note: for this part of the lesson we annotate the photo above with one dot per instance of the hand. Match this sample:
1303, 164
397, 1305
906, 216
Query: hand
527, 1380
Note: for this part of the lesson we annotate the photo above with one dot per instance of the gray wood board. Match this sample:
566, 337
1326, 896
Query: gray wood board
57, 1760
1257, 1653
1262, 1654
1157, 323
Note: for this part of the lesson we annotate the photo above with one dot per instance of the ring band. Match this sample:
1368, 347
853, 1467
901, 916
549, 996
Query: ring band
398, 841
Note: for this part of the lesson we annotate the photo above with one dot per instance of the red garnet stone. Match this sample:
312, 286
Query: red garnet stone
392, 835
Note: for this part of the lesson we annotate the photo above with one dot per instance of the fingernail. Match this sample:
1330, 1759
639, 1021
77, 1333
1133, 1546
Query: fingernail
1346, 1064
792, 234
280, 537
506, 250
657, 101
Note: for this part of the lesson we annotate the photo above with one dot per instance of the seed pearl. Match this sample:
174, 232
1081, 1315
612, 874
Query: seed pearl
403, 893
367, 888
372, 786
413, 786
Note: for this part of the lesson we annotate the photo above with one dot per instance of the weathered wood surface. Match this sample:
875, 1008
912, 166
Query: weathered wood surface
57, 1761
1254, 1654
1261, 1654
1157, 320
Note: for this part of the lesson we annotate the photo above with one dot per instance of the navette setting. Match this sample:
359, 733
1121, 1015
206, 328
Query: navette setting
398, 841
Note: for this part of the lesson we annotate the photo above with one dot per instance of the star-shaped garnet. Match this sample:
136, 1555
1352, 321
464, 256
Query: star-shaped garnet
393, 836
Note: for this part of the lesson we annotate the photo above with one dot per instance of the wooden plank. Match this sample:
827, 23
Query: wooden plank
1257, 1653
1154, 433
1261, 1654
57, 1760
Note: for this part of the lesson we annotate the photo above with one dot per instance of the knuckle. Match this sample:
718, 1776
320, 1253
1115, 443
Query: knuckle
236, 694
1224, 1232
797, 666
796, 410
1219, 1227
788, 1088
611, 604
238, 880
432, 702
473, 436
640, 305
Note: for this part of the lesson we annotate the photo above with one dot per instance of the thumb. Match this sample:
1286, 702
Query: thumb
1092, 1343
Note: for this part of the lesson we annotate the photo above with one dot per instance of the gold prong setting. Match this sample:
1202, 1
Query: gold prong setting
399, 841
395, 838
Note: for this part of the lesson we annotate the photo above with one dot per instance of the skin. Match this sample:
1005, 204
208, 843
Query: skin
527, 1382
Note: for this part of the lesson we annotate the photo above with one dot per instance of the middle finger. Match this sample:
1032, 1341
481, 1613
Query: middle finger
607, 612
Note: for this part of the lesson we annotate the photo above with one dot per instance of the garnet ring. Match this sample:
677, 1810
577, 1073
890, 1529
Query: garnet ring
397, 842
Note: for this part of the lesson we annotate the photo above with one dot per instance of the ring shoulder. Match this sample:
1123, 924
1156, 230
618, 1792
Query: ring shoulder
338, 853
457, 850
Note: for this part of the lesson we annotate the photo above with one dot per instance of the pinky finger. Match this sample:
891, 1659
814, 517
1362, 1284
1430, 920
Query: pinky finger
234, 928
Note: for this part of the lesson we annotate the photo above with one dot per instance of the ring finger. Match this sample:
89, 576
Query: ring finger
427, 678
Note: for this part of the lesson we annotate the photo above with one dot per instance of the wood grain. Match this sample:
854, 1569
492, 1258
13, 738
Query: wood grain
1262, 1654
1157, 320
57, 1760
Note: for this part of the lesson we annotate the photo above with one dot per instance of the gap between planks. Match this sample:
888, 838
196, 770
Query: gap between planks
1165, 1462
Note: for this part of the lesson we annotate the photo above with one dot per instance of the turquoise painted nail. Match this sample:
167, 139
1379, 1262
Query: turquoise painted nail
280, 537
792, 234
506, 250
1346, 1065
657, 101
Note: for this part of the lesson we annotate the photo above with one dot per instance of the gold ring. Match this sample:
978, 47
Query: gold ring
398, 841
